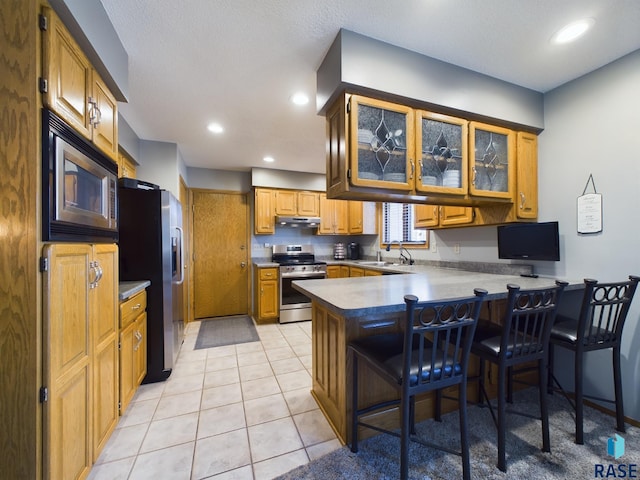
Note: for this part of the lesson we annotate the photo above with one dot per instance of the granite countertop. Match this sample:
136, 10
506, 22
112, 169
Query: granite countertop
130, 288
358, 296
419, 267
265, 264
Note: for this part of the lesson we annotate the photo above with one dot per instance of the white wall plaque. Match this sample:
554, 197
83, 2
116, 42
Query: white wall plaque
590, 213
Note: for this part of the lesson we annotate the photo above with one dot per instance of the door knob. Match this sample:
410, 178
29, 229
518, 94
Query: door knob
243, 264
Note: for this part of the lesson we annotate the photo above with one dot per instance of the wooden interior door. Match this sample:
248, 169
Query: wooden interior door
221, 254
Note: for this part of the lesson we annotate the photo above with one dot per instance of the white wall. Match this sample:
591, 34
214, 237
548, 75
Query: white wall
218, 179
592, 126
159, 163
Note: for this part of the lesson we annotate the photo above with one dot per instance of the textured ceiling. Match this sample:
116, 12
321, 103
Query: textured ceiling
237, 62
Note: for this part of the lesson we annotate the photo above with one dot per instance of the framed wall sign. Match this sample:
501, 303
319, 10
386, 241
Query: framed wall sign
589, 210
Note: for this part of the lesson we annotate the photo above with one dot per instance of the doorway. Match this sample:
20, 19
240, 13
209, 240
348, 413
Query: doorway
220, 253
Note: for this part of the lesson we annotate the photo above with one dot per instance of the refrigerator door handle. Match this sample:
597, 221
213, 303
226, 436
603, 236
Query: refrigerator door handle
181, 263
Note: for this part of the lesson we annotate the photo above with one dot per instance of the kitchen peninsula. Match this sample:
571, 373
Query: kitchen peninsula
348, 308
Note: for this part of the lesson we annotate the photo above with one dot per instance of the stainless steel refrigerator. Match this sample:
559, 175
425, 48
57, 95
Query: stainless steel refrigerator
151, 239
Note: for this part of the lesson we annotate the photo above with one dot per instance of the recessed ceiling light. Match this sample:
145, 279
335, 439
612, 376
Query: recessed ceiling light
268, 159
300, 98
572, 31
215, 128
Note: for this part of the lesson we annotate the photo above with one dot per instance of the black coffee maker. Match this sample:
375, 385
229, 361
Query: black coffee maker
353, 251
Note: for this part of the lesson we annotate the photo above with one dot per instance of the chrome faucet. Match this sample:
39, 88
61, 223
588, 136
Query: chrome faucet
403, 259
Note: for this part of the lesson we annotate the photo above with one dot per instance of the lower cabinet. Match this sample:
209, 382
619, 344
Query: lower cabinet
356, 272
369, 272
80, 355
133, 346
333, 271
267, 304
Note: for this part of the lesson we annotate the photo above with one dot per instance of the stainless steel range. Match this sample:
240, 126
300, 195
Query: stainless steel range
297, 262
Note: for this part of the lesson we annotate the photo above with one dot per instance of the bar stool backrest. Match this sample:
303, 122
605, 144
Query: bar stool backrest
528, 320
604, 309
437, 341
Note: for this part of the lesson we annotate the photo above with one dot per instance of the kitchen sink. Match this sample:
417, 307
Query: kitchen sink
374, 263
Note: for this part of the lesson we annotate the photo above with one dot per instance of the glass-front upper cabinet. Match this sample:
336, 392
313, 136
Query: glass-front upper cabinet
442, 155
492, 162
382, 156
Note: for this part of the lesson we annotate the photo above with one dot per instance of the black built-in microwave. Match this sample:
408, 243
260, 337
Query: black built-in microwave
79, 186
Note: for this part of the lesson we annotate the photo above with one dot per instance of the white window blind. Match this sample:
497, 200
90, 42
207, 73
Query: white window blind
397, 224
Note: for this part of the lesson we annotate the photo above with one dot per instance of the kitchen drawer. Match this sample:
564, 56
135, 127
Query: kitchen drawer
268, 273
132, 307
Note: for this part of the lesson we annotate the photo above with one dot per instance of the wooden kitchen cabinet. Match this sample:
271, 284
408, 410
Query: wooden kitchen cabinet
127, 168
356, 218
438, 216
383, 151
333, 271
133, 346
334, 216
369, 272
356, 272
442, 153
80, 377
105, 334
297, 203
271, 202
492, 164
267, 303
73, 89
264, 211
527, 176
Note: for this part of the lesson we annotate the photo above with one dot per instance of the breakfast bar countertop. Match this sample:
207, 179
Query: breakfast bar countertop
355, 297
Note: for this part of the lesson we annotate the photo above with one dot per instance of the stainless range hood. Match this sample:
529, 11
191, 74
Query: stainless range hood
297, 222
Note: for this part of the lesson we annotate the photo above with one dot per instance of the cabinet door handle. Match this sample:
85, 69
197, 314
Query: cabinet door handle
95, 115
100, 273
243, 264
412, 169
473, 180
136, 306
522, 200
420, 170
91, 108
93, 283
138, 336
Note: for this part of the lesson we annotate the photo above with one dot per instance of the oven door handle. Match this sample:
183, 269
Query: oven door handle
303, 275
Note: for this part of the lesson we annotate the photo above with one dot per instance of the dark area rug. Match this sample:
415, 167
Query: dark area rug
220, 331
378, 456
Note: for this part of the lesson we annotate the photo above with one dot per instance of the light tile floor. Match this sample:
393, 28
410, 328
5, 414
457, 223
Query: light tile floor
235, 412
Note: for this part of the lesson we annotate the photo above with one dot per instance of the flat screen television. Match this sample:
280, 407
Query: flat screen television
529, 241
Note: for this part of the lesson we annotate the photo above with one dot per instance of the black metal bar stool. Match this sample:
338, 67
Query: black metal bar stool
430, 355
599, 325
522, 338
